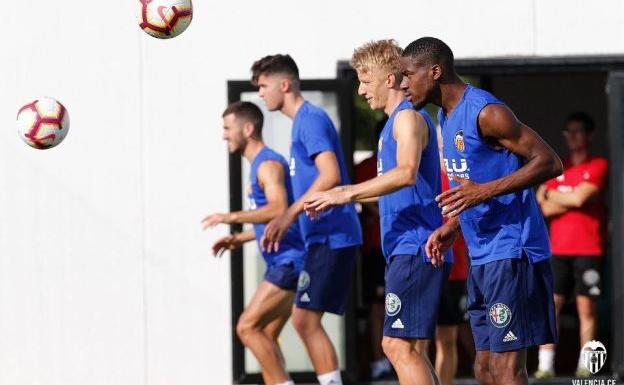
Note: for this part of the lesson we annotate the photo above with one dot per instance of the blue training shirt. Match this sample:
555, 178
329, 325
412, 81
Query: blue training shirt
291, 248
312, 133
504, 226
409, 215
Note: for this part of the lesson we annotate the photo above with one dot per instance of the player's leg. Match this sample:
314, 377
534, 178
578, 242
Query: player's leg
521, 314
587, 290
509, 368
563, 282
266, 306
308, 325
482, 368
410, 365
446, 353
451, 314
323, 287
274, 328
477, 309
413, 290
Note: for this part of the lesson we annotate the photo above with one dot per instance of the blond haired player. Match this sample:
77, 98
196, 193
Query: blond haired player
408, 169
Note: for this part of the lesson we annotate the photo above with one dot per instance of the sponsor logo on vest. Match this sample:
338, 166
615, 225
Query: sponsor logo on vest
459, 141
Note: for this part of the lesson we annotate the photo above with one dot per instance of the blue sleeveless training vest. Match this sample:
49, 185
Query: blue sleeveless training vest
409, 215
504, 226
291, 247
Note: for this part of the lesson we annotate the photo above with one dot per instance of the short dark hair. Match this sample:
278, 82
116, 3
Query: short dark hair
583, 117
435, 51
247, 112
273, 64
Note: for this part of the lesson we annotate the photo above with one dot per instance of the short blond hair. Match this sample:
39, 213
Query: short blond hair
382, 54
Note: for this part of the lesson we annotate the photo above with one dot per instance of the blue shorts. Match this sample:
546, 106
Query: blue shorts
325, 279
413, 289
511, 305
283, 276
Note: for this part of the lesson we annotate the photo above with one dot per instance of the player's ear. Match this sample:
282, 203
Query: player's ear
436, 70
390, 80
285, 84
248, 129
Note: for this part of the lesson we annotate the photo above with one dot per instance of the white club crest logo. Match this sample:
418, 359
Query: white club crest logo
393, 304
304, 280
500, 315
594, 356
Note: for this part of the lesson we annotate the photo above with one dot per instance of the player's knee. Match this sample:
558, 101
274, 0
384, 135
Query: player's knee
394, 347
503, 370
244, 328
482, 371
303, 323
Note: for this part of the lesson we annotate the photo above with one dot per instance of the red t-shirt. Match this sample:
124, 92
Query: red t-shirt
580, 231
459, 271
365, 170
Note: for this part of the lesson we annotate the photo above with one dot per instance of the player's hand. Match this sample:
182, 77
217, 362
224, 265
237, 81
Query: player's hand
229, 242
214, 219
459, 198
439, 242
274, 232
325, 200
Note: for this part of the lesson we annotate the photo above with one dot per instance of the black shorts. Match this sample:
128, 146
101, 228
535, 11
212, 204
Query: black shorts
453, 303
577, 275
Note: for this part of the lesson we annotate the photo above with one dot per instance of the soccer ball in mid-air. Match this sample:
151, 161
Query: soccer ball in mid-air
43, 123
165, 19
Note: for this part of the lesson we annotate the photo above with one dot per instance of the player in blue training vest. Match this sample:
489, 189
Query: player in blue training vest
270, 193
316, 164
407, 182
492, 161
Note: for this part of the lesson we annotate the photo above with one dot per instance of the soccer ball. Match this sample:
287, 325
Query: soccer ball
165, 19
43, 123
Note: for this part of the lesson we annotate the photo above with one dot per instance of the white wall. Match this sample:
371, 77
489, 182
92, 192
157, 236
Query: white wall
105, 276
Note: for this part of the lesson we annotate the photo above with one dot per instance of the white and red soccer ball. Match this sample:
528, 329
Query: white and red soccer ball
43, 123
165, 19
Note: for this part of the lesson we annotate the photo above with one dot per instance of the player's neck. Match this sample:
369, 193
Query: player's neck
394, 99
450, 95
292, 104
579, 156
252, 149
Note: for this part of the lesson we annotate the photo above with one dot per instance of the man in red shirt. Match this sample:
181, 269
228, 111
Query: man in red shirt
574, 203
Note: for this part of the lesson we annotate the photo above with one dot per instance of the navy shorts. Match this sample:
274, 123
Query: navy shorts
283, 276
325, 279
413, 289
511, 304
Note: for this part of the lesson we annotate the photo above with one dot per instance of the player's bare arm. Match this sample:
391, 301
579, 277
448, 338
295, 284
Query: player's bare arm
232, 242
576, 198
271, 178
498, 124
329, 176
411, 133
